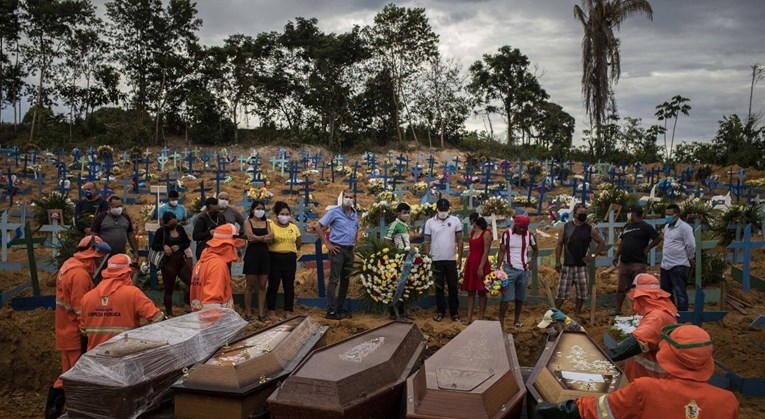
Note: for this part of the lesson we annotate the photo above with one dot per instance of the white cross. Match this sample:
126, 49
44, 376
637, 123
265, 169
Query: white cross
6, 228
54, 228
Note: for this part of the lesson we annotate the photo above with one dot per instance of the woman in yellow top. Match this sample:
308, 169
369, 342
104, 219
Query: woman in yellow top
283, 249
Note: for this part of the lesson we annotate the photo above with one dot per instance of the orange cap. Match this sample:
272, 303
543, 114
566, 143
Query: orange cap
685, 351
646, 284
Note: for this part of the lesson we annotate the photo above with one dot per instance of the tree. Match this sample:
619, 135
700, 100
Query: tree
505, 78
601, 60
10, 31
48, 24
757, 73
554, 128
440, 102
402, 41
672, 110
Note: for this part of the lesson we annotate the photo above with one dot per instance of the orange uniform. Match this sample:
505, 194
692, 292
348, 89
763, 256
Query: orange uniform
72, 283
115, 305
658, 310
211, 278
651, 398
685, 353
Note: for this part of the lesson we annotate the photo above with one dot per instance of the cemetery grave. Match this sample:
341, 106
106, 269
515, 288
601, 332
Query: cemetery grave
30, 332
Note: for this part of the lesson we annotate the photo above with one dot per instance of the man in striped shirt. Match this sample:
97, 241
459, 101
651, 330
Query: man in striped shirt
513, 254
398, 235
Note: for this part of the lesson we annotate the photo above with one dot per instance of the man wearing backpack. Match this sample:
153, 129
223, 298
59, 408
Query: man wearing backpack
575, 238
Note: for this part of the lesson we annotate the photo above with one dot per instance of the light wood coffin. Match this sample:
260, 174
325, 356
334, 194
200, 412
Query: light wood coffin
236, 381
476, 375
132, 373
359, 377
573, 366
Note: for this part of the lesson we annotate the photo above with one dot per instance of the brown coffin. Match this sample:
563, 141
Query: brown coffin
570, 367
359, 377
476, 375
132, 373
236, 381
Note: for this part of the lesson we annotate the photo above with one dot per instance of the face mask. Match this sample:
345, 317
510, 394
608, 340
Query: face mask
348, 202
223, 203
283, 219
442, 215
259, 213
581, 217
116, 211
88, 193
404, 217
173, 203
669, 219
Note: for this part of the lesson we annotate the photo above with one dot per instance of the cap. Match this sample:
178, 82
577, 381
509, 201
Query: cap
119, 264
685, 351
546, 320
225, 234
94, 242
646, 284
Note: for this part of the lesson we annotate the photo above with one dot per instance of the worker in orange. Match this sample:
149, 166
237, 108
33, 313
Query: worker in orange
75, 278
658, 310
115, 305
685, 353
211, 278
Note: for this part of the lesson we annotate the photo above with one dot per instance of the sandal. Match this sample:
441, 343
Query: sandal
518, 324
261, 318
248, 317
456, 318
438, 317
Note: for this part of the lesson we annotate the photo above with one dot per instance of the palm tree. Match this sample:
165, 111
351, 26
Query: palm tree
600, 53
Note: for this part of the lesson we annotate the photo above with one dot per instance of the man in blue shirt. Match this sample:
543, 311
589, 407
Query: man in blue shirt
343, 222
173, 206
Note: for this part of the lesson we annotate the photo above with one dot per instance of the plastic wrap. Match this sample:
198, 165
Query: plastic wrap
132, 373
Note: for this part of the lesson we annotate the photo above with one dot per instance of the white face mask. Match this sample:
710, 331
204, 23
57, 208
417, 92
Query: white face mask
348, 202
442, 215
116, 211
404, 217
223, 203
283, 219
174, 203
259, 213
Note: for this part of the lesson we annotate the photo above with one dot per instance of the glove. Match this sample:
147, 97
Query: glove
625, 349
563, 410
558, 315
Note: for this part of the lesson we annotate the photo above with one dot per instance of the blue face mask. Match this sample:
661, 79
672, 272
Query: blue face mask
88, 193
669, 219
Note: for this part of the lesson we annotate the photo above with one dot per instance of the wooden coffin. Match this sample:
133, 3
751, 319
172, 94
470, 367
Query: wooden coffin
476, 375
570, 367
132, 373
236, 381
360, 377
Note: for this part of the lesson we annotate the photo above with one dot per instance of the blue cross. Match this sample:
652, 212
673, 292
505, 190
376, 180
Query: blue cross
319, 257
747, 245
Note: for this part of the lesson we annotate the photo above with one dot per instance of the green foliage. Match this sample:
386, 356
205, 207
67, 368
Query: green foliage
69, 239
725, 226
697, 208
50, 201
599, 207
713, 267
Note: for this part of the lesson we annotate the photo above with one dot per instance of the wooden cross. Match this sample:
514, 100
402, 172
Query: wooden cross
219, 176
205, 158
747, 245
293, 180
190, 161
6, 227
161, 162
319, 257
281, 161
55, 229
201, 189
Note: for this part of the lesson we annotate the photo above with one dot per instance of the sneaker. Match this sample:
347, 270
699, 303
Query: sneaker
344, 314
332, 315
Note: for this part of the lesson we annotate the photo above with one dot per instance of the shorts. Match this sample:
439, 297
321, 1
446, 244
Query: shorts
518, 282
570, 275
627, 274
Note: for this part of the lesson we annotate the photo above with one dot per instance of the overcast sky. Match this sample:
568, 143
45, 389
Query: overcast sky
700, 49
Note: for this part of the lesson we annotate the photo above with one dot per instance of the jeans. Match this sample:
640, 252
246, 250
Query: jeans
674, 281
340, 265
445, 273
283, 266
175, 267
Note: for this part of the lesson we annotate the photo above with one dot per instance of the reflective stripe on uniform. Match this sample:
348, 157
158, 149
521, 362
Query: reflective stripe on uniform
62, 304
604, 410
649, 365
106, 330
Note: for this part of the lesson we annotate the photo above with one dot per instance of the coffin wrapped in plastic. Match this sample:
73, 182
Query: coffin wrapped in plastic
236, 381
132, 373
475, 375
570, 367
360, 377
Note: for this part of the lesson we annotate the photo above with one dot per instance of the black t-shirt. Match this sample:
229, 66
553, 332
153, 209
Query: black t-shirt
576, 241
635, 237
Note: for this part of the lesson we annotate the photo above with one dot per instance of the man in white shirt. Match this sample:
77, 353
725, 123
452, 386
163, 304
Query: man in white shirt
678, 254
513, 254
442, 232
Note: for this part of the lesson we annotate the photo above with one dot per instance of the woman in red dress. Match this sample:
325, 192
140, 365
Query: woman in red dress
477, 267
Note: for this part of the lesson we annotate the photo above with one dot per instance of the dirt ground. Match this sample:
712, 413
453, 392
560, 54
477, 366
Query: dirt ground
30, 363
